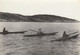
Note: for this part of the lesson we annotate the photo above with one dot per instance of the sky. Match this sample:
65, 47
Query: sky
65, 8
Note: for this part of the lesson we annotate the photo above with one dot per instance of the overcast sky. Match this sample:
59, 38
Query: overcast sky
66, 8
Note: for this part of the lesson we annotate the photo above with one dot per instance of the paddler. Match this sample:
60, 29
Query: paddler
39, 32
65, 35
4, 30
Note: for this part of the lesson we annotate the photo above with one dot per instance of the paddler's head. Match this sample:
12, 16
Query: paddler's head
64, 31
39, 28
4, 27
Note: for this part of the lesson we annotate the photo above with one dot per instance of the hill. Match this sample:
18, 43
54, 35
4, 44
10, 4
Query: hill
9, 17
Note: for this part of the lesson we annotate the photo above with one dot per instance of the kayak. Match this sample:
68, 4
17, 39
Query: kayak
44, 34
66, 38
12, 32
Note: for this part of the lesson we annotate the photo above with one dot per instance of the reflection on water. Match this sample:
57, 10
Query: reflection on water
16, 44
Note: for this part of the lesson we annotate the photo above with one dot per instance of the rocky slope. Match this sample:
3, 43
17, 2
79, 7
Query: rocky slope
9, 17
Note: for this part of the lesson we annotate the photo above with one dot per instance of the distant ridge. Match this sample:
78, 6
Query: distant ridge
9, 17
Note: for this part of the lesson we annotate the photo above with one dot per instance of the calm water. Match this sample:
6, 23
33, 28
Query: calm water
16, 44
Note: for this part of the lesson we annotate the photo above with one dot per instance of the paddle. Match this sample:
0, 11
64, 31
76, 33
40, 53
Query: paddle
32, 30
72, 33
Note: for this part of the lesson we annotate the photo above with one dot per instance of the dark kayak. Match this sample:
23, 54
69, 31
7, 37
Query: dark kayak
44, 34
66, 38
12, 32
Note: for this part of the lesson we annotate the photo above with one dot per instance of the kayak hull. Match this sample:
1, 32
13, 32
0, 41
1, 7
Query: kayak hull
45, 34
67, 38
11, 32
